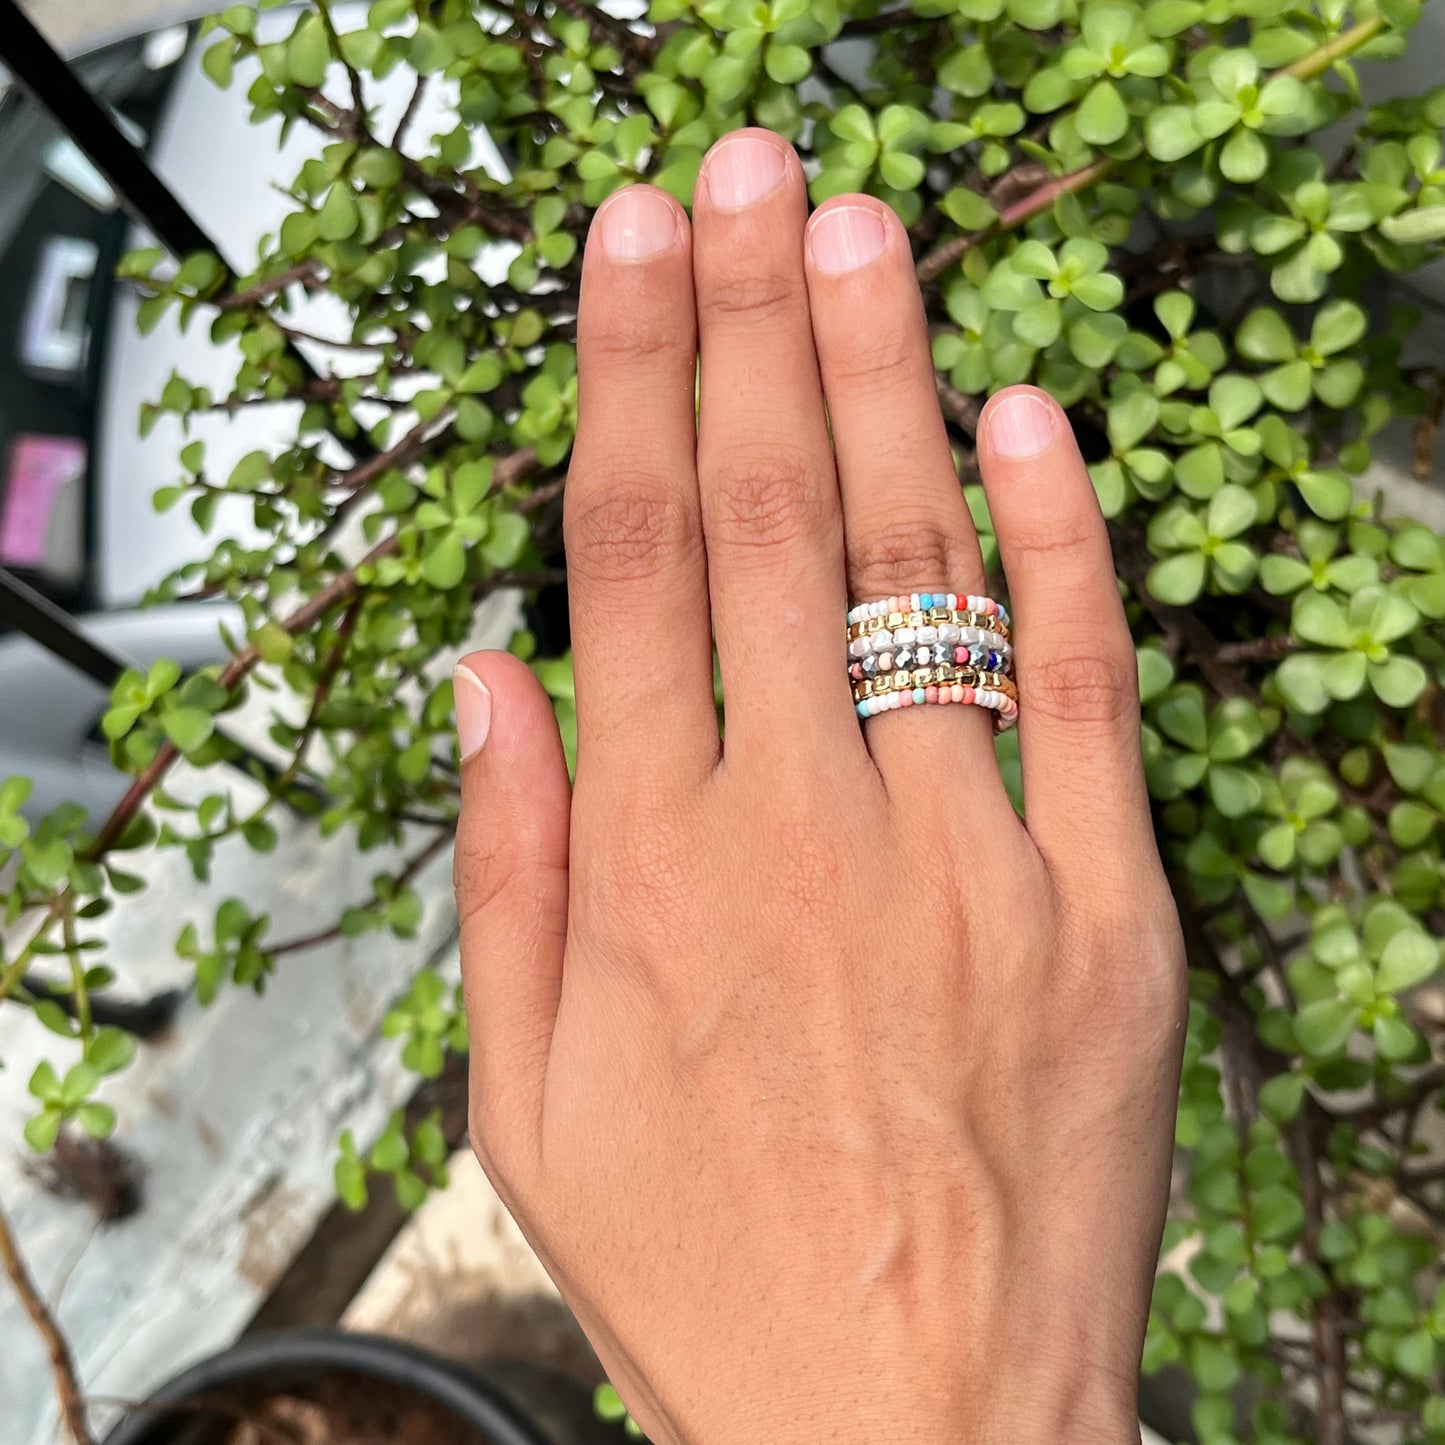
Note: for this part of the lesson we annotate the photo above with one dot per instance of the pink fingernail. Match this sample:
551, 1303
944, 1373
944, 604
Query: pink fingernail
843, 238
637, 223
474, 711
1020, 424
741, 169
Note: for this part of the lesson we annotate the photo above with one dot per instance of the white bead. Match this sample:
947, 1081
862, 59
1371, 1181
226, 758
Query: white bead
858, 647
882, 641
948, 632
905, 636
927, 636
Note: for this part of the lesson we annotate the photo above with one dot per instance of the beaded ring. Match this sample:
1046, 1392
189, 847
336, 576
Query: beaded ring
924, 648
906, 679
963, 618
923, 601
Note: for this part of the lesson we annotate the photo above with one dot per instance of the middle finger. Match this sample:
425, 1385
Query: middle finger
771, 516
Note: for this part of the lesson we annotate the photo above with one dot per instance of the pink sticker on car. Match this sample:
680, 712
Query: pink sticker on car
39, 470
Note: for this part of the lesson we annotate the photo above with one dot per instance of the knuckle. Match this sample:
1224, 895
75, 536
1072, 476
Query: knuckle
763, 496
625, 529
1047, 539
903, 552
641, 344
736, 296
879, 365
1125, 961
1093, 687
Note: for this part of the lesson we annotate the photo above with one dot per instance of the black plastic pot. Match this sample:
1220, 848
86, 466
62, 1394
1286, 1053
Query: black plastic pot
514, 1404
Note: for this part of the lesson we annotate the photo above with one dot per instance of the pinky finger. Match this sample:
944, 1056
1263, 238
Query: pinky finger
1084, 791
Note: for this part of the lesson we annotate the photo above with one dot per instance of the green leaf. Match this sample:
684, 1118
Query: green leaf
98, 1120
1170, 133
852, 123
787, 64
1398, 681
1175, 310
1033, 258
1415, 228
1231, 511
1338, 324
41, 1130
339, 215
1322, 1027
1264, 335
1101, 117
1320, 619
1415, 1353
109, 1050
1131, 419
1328, 494
218, 60
1282, 1096
1300, 679
967, 209
188, 727
1178, 580
308, 52
1101, 292
1410, 957
445, 564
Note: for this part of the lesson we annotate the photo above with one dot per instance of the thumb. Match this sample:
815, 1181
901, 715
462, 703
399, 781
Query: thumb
510, 872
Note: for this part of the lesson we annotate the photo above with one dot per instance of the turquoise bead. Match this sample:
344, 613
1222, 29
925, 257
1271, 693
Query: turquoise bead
920, 695
925, 600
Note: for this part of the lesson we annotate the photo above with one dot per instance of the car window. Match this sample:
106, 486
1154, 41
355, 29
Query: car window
61, 233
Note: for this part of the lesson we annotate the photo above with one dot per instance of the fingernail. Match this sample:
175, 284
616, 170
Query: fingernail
843, 238
1020, 425
637, 223
474, 711
742, 170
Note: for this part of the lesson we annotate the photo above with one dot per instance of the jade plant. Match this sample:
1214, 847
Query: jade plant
1178, 216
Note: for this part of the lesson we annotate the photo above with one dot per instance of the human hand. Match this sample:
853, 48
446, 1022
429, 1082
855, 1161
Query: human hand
836, 1099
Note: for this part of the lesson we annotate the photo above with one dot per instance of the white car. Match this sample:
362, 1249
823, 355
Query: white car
76, 478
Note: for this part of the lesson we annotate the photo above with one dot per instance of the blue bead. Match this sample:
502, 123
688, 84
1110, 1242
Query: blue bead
925, 600
862, 709
919, 695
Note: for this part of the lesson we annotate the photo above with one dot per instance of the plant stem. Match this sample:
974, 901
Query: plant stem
1346, 43
62, 1363
1013, 216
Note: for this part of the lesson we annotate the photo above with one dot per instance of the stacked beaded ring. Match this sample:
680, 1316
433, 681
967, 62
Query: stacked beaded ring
932, 647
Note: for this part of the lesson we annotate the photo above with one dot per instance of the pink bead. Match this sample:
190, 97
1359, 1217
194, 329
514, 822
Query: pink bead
960, 655
905, 699
968, 694
930, 694
955, 693
855, 671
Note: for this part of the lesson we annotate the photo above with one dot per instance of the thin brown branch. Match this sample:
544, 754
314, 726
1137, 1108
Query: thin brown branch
954, 249
340, 589
958, 407
883, 21
1256, 649
413, 866
62, 1363
418, 91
